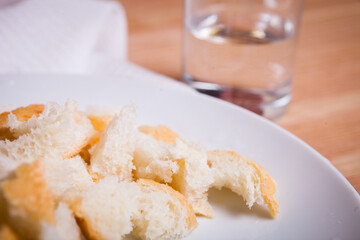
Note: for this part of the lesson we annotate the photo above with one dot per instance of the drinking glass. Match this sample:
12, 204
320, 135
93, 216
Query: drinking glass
242, 51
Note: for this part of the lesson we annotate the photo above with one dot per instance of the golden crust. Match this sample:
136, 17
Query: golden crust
87, 230
268, 189
29, 201
82, 148
5, 133
29, 193
191, 219
99, 123
160, 133
22, 114
267, 183
6, 233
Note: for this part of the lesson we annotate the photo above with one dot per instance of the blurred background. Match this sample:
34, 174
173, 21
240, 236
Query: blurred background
325, 109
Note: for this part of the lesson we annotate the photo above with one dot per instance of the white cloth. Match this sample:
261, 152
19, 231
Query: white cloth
61, 36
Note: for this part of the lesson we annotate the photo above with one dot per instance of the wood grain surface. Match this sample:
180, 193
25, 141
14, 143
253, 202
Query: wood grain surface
325, 109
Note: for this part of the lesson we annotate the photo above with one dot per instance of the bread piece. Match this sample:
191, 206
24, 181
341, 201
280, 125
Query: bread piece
194, 177
22, 114
64, 174
58, 130
153, 159
29, 200
244, 177
65, 227
163, 213
111, 208
105, 210
164, 157
31, 206
113, 155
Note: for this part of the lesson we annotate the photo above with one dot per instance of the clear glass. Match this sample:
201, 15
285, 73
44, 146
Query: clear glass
242, 51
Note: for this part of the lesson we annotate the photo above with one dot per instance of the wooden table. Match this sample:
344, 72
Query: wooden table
325, 110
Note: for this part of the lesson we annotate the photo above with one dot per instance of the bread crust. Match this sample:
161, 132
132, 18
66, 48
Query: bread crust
89, 232
28, 191
99, 123
268, 188
266, 182
22, 114
148, 184
160, 133
113, 154
89, 140
29, 199
6, 233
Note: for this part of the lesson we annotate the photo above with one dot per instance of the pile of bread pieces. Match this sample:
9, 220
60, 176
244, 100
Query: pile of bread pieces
67, 174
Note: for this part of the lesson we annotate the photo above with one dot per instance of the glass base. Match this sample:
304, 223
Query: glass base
270, 104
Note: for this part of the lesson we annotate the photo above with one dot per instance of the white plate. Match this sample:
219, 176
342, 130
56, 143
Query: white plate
316, 201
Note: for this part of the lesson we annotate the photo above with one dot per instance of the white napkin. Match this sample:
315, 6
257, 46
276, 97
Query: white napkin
61, 36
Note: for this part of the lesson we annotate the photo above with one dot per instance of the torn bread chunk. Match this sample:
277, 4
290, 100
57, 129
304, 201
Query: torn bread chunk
164, 157
105, 210
163, 213
59, 130
194, 177
22, 114
153, 159
244, 177
113, 154
29, 201
65, 227
64, 174
31, 206
146, 209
